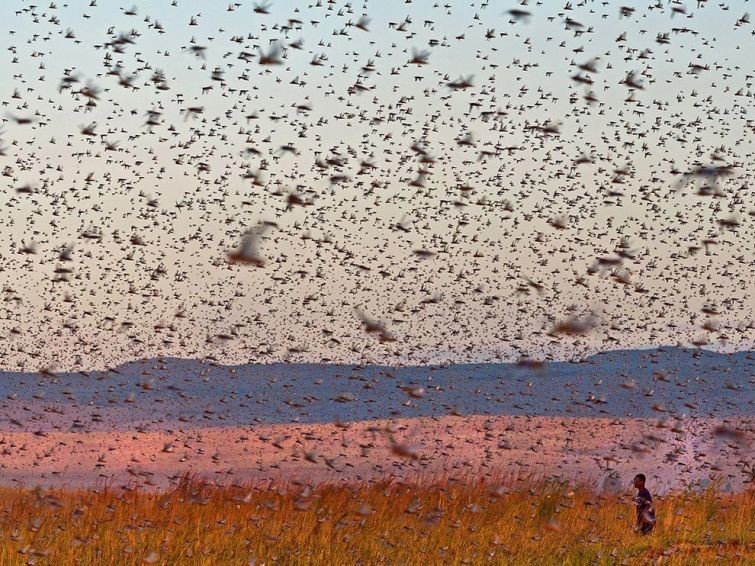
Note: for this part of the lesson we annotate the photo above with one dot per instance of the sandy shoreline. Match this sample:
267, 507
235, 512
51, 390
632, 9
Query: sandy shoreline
605, 451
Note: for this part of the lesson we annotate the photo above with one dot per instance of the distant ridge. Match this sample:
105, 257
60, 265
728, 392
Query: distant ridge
660, 383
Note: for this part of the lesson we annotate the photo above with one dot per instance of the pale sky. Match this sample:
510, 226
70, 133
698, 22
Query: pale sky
509, 223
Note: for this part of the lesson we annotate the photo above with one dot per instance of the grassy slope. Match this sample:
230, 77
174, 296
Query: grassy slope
397, 523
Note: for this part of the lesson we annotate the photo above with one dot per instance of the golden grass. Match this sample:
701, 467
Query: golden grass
444, 522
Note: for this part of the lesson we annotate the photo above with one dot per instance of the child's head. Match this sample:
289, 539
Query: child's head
639, 481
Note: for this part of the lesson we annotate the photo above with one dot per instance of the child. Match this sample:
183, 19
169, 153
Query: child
645, 511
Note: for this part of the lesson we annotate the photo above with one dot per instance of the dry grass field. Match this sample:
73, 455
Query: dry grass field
424, 522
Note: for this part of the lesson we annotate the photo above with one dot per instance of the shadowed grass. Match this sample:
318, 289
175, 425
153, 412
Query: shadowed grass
446, 521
